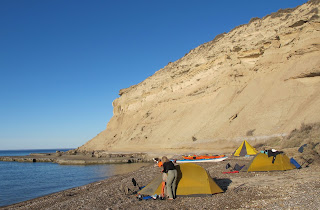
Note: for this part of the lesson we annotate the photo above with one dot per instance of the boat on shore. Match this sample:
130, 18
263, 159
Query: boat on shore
202, 160
198, 157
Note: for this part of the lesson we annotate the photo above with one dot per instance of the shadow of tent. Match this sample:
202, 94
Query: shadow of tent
223, 183
179, 174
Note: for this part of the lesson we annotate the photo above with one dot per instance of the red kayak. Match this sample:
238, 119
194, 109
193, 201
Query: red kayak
197, 157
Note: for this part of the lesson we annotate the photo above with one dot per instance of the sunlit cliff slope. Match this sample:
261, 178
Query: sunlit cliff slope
260, 80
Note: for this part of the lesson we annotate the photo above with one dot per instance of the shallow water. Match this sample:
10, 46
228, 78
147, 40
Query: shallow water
24, 181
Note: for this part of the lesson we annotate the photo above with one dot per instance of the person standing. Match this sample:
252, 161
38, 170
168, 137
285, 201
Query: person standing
170, 170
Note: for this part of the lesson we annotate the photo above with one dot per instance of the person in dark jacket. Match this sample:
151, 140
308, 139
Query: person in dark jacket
170, 169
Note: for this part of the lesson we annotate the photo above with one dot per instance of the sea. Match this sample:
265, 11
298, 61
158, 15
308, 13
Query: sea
24, 181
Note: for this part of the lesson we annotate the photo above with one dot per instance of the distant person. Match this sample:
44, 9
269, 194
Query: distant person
158, 162
172, 174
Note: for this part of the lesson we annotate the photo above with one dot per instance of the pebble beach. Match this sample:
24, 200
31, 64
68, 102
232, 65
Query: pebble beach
293, 189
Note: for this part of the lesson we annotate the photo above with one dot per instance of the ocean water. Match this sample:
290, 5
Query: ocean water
25, 181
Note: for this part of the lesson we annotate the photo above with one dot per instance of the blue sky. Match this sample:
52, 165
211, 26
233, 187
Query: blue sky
63, 62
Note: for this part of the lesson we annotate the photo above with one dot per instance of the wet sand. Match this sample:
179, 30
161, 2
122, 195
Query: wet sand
293, 189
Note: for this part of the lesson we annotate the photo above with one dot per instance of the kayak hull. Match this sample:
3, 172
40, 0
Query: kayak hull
195, 157
202, 160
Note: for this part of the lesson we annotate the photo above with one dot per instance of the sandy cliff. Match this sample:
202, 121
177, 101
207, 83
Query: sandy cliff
259, 80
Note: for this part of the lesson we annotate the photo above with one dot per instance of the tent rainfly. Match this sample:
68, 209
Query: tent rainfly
263, 162
245, 149
192, 180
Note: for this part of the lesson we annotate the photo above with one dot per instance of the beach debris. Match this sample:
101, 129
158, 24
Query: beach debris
236, 169
128, 189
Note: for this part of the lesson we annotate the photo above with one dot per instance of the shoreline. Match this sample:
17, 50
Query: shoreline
73, 157
117, 169
64, 158
278, 189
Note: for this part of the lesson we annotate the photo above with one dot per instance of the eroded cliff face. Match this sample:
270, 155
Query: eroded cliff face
259, 80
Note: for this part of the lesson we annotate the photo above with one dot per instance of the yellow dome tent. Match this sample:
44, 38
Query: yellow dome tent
192, 180
264, 163
245, 149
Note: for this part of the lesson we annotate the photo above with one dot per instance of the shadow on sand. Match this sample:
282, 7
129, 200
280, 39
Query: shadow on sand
223, 183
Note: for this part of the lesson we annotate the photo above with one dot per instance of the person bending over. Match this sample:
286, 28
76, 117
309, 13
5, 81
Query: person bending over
170, 170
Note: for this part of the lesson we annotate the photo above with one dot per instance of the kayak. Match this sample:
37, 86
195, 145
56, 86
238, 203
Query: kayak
193, 157
202, 160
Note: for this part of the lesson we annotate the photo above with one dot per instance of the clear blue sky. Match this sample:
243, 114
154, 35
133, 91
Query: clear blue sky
63, 62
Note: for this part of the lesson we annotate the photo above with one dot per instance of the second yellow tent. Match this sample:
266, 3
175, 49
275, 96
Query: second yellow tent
245, 149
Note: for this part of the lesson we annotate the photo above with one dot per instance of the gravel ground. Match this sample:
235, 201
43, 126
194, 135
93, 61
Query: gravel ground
294, 189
